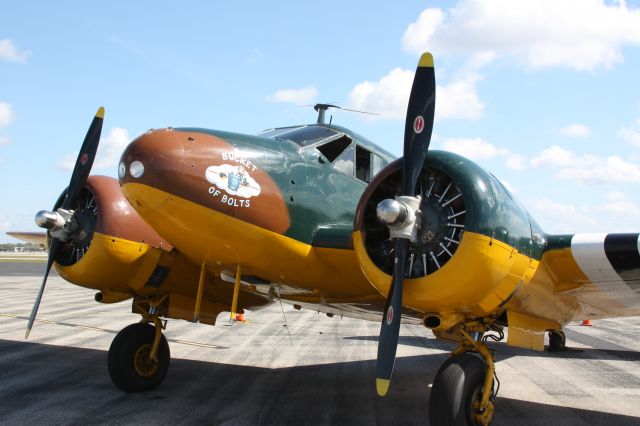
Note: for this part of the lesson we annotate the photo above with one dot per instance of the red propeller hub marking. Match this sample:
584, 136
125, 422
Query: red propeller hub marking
418, 124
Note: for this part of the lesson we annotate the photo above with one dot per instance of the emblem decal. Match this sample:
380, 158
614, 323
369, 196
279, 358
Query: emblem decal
235, 181
390, 315
418, 125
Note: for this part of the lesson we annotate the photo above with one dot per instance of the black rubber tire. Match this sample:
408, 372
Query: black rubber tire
458, 380
557, 341
122, 352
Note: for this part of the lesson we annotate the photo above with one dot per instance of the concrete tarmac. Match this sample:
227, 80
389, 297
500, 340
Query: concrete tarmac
254, 373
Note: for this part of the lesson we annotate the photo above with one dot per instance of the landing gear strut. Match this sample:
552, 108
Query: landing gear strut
457, 389
463, 391
139, 357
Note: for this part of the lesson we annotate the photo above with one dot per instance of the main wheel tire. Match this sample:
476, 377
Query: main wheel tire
458, 384
557, 341
129, 365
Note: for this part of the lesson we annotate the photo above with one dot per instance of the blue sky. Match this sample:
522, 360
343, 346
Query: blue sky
544, 94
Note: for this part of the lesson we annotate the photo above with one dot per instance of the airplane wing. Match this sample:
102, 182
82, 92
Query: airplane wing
30, 237
602, 272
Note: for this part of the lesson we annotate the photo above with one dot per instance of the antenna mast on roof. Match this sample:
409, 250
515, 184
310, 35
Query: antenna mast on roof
322, 108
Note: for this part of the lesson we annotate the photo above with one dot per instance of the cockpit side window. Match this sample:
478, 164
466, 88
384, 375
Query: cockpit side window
345, 161
363, 164
333, 149
377, 164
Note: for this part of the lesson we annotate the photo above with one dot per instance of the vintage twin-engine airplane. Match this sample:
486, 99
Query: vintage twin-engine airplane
322, 218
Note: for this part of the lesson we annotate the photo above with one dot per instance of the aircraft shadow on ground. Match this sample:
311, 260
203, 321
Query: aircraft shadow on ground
503, 351
56, 384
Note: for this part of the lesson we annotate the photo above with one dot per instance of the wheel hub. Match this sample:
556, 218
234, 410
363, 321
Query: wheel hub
144, 365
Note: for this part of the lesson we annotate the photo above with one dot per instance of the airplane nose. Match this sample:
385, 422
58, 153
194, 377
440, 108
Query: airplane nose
149, 165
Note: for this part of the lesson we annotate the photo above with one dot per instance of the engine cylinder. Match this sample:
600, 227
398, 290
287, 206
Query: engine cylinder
474, 242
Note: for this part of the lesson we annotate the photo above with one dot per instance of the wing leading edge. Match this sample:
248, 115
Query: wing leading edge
30, 237
602, 271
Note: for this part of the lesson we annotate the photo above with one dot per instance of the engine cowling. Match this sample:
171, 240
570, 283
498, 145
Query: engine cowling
113, 249
474, 244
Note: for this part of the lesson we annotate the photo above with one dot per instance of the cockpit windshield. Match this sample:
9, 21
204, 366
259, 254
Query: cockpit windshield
303, 136
273, 133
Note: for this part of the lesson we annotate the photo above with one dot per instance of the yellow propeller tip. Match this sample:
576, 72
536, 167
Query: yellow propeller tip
100, 113
426, 60
382, 386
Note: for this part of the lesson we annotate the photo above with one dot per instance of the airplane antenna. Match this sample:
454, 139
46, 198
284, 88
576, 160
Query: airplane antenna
284, 316
322, 108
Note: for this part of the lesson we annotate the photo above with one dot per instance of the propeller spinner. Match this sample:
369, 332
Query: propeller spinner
61, 223
402, 215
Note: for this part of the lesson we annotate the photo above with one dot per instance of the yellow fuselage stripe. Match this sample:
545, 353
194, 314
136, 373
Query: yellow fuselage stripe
484, 275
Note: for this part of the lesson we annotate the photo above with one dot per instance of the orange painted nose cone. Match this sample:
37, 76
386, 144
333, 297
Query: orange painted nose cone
587, 323
239, 317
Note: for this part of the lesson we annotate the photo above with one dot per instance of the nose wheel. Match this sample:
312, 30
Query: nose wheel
131, 361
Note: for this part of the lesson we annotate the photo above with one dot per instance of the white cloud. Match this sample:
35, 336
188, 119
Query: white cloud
459, 99
516, 162
552, 207
553, 156
109, 151
478, 149
111, 148
304, 95
6, 118
557, 217
596, 170
614, 213
577, 34
418, 35
6, 114
474, 149
630, 135
616, 196
619, 206
10, 53
389, 95
575, 131
586, 168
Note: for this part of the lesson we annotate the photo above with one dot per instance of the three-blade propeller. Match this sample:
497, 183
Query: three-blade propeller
417, 135
78, 179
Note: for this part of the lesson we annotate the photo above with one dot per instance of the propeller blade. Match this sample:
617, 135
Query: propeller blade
417, 136
390, 329
78, 179
419, 123
53, 249
85, 159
